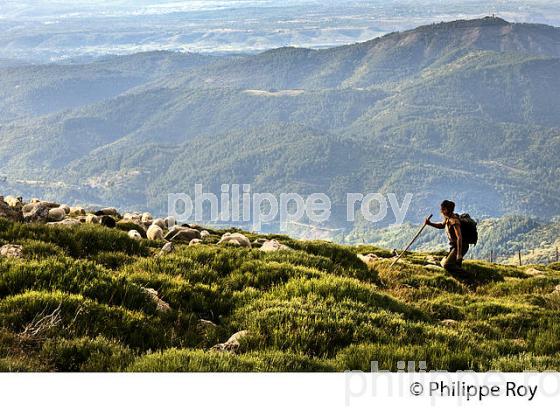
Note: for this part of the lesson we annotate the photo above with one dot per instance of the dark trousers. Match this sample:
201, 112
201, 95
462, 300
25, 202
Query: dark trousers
450, 262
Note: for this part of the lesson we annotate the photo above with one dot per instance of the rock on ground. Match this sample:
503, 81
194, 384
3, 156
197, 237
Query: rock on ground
36, 212
161, 305
11, 251
167, 248
232, 344
367, 259
273, 246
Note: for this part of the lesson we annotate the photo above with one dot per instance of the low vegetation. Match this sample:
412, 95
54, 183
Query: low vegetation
77, 300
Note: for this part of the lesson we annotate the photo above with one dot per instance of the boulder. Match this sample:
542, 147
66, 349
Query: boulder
273, 246
11, 251
161, 306
167, 248
368, 258
259, 241
449, 322
35, 212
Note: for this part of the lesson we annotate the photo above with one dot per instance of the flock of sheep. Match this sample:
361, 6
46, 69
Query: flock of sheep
143, 225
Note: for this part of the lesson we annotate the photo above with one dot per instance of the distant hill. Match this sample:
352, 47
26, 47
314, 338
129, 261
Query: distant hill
30, 90
467, 110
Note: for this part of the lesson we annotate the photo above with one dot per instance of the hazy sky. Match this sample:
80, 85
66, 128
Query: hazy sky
59, 29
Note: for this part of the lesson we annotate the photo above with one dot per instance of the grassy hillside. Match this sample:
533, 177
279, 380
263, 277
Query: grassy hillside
76, 301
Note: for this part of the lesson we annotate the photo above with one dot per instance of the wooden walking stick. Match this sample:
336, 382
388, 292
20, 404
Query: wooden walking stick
412, 241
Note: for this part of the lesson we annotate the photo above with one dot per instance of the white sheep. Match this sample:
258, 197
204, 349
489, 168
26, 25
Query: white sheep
77, 210
92, 219
147, 217
160, 222
134, 234
13, 201
66, 208
235, 238
155, 233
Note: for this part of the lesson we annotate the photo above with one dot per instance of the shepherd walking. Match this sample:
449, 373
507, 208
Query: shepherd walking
461, 232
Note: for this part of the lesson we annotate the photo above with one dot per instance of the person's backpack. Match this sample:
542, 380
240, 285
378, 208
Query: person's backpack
469, 231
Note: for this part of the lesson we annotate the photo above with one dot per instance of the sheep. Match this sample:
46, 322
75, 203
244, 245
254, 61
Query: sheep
77, 211
155, 233
160, 222
56, 214
108, 221
170, 221
92, 219
133, 217
134, 234
195, 241
66, 208
236, 239
13, 201
204, 234
182, 235
147, 217
109, 211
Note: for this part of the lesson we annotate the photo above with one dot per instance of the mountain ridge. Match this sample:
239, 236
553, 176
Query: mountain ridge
494, 110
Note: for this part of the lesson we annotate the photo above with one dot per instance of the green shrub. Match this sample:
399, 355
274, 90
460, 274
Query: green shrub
113, 260
525, 362
72, 276
174, 360
263, 275
79, 241
437, 356
75, 316
86, 354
